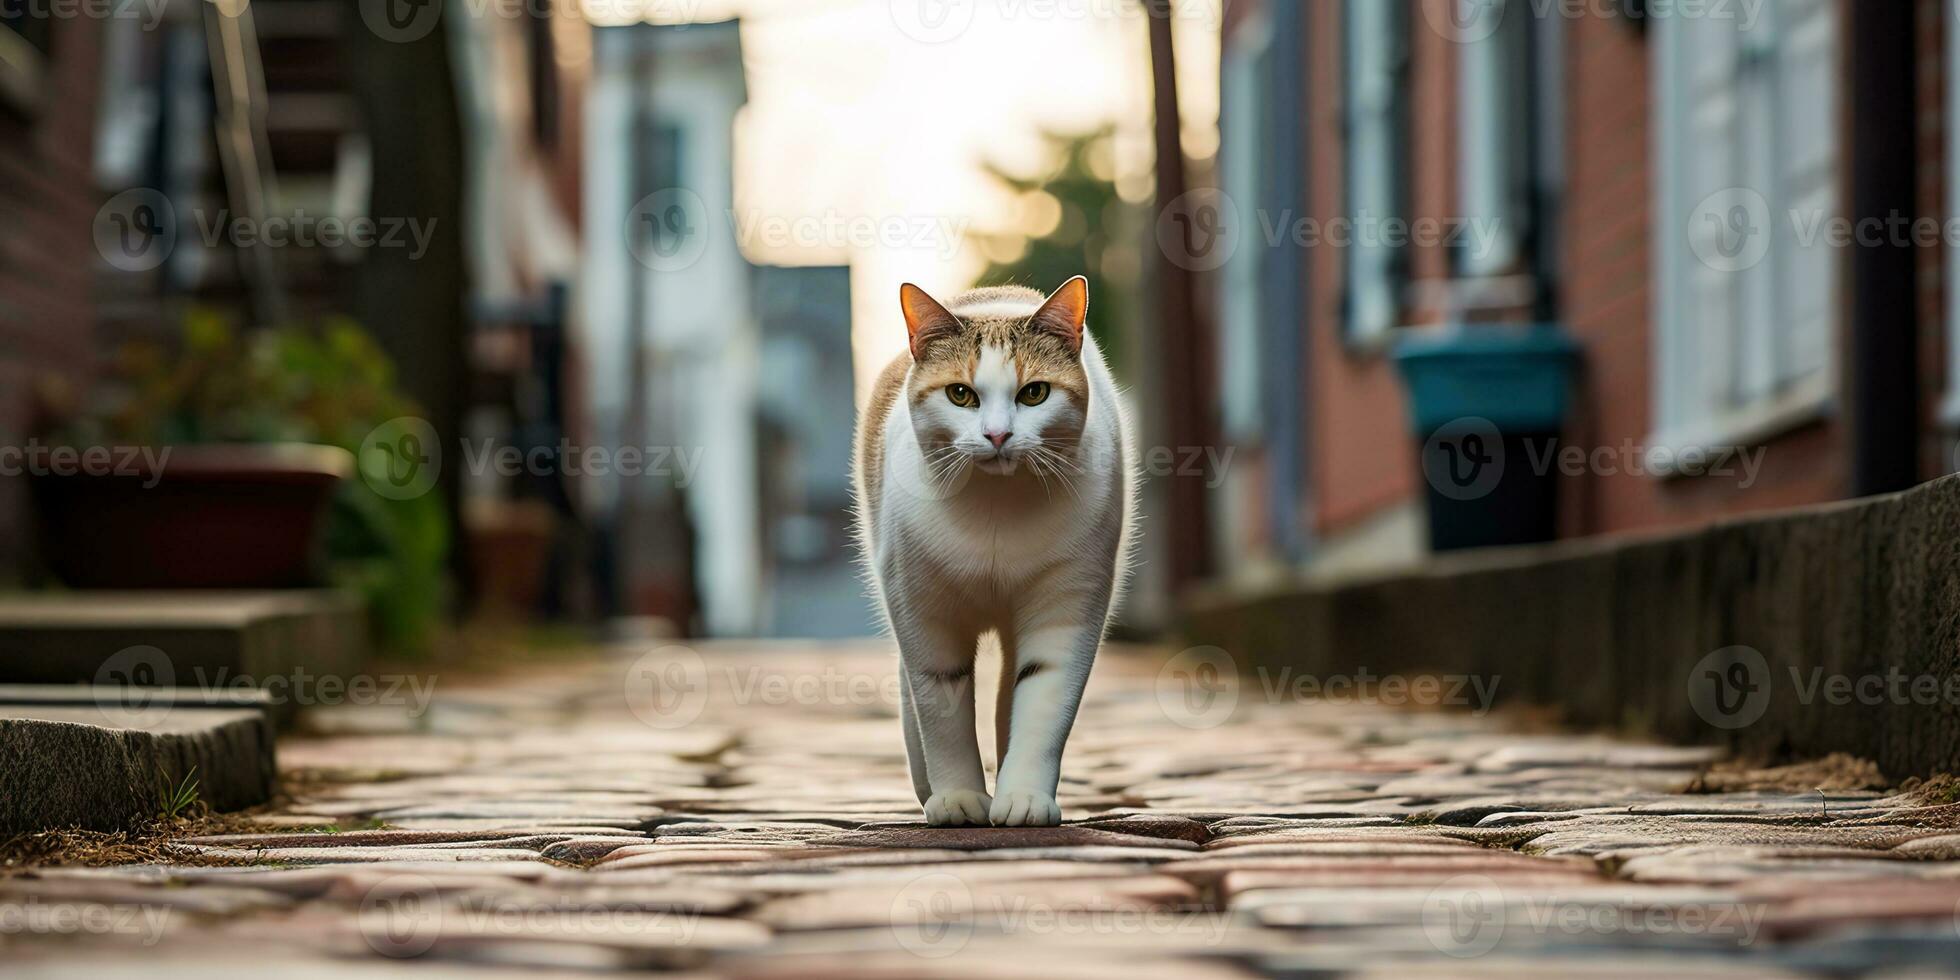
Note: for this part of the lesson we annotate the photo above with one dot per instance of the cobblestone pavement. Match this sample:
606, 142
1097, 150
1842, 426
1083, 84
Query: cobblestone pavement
746, 812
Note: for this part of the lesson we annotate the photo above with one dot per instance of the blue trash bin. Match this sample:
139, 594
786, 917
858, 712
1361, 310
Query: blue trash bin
1488, 404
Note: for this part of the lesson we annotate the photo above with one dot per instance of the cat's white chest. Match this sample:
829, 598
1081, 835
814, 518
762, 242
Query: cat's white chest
984, 529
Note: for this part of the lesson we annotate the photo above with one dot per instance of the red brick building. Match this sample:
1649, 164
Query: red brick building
1600, 167
46, 252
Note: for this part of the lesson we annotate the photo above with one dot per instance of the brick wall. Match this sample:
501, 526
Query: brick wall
1609, 293
47, 255
1363, 457
1363, 460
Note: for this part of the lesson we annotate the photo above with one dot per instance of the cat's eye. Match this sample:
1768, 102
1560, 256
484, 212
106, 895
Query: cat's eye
1033, 393
962, 396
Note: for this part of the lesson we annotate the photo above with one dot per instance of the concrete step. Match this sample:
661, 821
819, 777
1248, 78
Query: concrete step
205, 641
111, 766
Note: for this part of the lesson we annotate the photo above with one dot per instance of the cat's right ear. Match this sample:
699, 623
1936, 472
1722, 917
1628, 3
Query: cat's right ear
925, 320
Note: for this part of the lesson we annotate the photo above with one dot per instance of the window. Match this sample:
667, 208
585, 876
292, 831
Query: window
1747, 159
1494, 106
1244, 161
1376, 117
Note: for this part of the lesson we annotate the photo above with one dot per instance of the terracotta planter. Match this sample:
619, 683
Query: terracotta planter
203, 517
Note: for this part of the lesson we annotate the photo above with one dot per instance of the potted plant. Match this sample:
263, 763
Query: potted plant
234, 452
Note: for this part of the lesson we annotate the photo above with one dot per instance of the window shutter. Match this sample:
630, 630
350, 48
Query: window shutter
1374, 44
1242, 106
1708, 163
1807, 168
1493, 107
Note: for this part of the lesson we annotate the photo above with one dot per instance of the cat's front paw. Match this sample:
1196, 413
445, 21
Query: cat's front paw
1025, 810
957, 808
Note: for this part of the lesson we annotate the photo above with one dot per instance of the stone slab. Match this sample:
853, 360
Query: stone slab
1856, 589
59, 767
203, 640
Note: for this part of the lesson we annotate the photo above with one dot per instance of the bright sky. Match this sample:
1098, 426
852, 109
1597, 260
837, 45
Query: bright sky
863, 136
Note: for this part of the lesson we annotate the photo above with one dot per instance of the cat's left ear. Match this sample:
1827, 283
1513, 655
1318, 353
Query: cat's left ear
1065, 313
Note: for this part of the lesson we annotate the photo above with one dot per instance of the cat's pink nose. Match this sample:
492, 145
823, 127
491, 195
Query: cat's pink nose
999, 438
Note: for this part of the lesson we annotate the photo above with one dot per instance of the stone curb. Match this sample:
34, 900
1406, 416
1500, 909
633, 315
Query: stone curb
1618, 631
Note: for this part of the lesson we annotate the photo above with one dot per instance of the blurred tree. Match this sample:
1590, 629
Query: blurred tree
1070, 221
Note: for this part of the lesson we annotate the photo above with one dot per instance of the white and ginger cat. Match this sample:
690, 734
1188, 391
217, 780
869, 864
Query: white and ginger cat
994, 496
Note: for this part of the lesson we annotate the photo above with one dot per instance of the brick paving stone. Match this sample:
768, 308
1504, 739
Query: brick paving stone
988, 838
534, 816
1941, 847
347, 855
990, 899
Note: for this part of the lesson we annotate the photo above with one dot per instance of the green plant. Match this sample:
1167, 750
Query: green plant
176, 802
327, 383
1073, 222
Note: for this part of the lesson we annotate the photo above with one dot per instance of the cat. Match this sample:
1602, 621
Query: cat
993, 487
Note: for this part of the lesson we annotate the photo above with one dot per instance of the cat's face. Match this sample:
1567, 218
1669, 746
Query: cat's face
998, 387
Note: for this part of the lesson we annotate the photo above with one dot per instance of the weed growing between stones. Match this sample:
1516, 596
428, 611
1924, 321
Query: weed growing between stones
180, 800
148, 843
